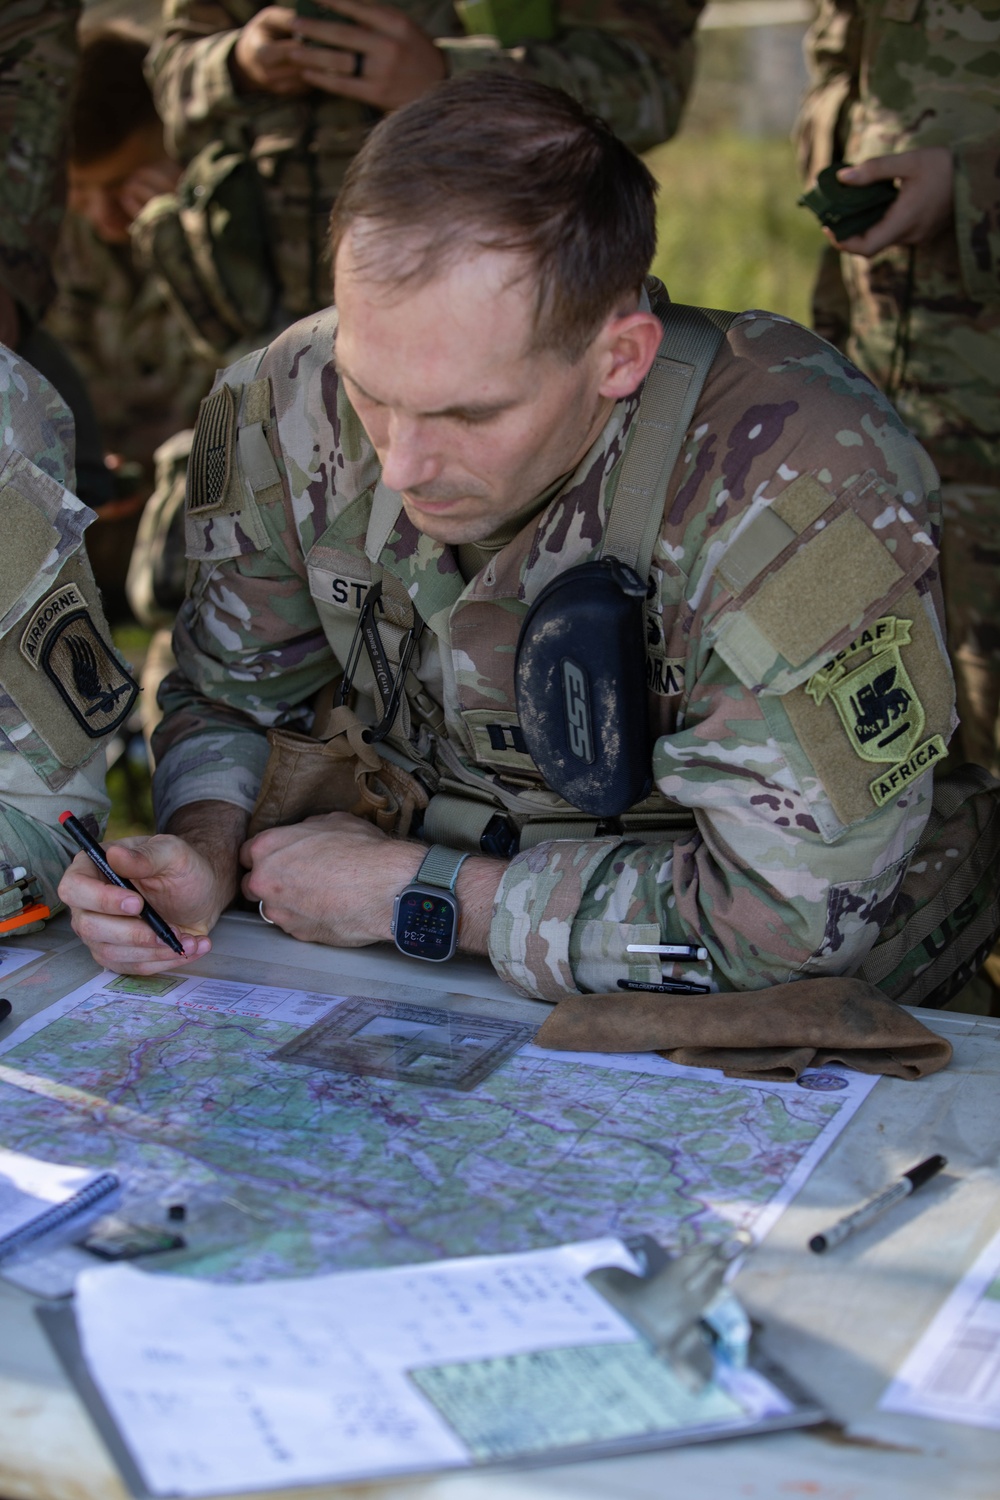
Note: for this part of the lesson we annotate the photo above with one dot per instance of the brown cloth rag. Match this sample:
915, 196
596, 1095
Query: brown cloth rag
773, 1033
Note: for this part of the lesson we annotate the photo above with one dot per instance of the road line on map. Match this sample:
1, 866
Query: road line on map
93, 1104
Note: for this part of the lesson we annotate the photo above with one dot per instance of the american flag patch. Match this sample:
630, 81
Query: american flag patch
212, 451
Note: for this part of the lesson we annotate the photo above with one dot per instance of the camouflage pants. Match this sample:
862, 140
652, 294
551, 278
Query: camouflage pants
970, 558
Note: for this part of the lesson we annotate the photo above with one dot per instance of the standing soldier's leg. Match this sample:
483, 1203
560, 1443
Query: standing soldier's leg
970, 557
830, 304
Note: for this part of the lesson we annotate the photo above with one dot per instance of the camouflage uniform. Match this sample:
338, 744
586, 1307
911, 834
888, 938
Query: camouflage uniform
157, 570
795, 611
630, 60
37, 62
890, 78
63, 690
143, 378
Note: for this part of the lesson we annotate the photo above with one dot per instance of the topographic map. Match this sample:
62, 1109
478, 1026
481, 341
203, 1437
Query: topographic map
287, 1167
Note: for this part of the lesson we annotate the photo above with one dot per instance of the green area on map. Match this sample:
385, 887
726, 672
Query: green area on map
144, 984
290, 1170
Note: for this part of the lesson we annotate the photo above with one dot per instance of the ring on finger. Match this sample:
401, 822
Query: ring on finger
264, 915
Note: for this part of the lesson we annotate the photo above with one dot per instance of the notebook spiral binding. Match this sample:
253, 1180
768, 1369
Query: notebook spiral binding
59, 1214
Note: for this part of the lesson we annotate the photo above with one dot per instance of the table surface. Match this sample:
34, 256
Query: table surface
842, 1324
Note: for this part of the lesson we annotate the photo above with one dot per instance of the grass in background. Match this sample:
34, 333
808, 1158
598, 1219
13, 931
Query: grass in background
730, 232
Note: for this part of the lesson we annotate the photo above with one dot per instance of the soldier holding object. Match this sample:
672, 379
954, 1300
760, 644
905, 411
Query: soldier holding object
455, 432
296, 95
909, 91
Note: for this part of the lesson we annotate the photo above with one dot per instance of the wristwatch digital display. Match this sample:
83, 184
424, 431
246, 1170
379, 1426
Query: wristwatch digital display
425, 914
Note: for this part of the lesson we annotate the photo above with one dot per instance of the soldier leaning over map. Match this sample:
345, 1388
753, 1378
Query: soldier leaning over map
458, 437
63, 690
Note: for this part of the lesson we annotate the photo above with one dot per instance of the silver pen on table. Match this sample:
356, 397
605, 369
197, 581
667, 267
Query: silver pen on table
863, 1216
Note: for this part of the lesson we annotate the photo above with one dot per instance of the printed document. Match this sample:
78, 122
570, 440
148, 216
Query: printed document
954, 1371
13, 957
370, 1373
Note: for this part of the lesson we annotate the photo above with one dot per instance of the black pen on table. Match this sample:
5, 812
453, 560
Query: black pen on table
863, 1216
90, 846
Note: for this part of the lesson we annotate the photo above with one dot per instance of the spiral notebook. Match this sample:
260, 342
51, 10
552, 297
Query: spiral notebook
39, 1198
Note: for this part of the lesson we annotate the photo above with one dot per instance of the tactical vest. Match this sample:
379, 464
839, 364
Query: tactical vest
483, 791
487, 780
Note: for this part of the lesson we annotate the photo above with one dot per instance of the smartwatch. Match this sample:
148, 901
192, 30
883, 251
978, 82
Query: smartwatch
425, 914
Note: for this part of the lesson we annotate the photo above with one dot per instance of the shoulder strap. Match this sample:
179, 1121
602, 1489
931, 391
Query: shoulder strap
386, 505
691, 339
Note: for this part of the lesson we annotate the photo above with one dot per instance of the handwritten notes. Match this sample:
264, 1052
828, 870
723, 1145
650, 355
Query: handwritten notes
217, 1387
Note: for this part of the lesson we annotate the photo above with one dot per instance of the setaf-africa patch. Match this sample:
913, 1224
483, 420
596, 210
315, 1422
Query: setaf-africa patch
62, 640
882, 704
878, 705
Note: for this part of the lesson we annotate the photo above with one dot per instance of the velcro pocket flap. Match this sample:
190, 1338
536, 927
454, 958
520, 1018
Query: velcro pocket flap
43, 524
791, 607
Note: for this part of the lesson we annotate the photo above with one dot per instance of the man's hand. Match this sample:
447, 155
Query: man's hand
265, 58
175, 878
398, 61
923, 208
333, 879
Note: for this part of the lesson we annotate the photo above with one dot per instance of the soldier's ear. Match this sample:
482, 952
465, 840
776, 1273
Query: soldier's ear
626, 348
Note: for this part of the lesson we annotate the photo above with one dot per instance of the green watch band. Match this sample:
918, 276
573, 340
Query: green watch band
440, 867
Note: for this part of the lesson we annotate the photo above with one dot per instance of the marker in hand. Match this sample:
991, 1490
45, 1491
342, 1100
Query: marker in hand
90, 846
863, 1216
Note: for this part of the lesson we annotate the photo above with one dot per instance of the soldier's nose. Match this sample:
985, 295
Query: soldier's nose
406, 460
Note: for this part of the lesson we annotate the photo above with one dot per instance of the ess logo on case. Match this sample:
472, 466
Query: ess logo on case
577, 699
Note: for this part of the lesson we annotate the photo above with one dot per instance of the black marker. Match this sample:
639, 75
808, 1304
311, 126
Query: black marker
668, 987
90, 846
5, 1009
907, 1184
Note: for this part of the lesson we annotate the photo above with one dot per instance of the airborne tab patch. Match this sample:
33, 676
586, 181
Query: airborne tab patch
54, 607
63, 640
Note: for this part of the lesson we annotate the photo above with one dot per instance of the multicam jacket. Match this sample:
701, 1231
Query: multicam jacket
37, 63
797, 680
630, 60
123, 336
890, 76
63, 690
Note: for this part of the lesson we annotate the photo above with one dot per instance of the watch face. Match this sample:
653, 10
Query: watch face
424, 925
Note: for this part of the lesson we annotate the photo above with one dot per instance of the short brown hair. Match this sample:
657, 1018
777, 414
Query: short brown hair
112, 99
494, 161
